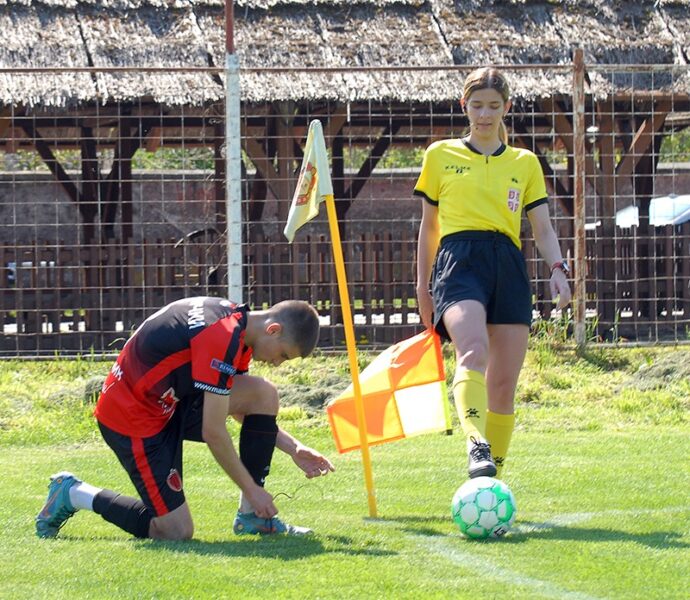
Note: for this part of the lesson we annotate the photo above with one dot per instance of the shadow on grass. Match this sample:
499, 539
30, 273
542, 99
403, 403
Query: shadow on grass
280, 547
545, 531
529, 530
413, 524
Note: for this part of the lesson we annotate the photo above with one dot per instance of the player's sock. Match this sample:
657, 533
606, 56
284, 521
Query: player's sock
245, 505
127, 513
81, 495
257, 442
469, 392
499, 429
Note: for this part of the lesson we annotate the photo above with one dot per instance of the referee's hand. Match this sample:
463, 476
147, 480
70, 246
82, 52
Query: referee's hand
560, 289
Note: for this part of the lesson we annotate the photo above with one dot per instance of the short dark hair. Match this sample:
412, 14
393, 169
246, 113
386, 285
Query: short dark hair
300, 323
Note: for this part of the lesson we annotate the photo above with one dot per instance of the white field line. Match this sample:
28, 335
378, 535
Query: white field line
485, 569
446, 547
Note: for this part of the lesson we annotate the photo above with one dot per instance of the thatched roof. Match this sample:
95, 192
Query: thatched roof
331, 33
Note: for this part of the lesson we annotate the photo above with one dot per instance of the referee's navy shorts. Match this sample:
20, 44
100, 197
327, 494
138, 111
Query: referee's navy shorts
485, 266
154, 464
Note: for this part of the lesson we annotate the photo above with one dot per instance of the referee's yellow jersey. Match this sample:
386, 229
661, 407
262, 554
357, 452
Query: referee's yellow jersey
477, 192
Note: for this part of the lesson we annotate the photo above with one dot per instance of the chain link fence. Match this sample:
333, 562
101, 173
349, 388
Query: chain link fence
109, 210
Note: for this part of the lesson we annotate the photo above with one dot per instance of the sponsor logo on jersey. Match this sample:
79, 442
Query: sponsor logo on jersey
117, 371
211, 388
513, 199
195, 315
459, 169
223, 367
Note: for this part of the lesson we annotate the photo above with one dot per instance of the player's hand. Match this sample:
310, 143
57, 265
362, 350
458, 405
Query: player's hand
313, 463
262, 502
425, 308
560, 288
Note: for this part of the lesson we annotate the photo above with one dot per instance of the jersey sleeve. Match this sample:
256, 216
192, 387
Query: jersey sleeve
428, 183
535, 193
217, 356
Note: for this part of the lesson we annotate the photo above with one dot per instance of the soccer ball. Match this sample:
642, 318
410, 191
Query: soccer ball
483, 507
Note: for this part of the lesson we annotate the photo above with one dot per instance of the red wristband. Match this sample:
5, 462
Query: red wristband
562, 265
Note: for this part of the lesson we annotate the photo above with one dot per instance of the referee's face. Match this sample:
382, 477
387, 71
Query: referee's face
485, 109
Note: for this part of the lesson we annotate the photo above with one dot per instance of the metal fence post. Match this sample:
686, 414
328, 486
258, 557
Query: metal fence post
233, 169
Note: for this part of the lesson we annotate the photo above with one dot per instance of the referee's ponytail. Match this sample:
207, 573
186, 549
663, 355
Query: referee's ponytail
503, 133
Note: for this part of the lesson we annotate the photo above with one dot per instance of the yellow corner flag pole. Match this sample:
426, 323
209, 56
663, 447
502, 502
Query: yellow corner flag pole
351, 351
313, 187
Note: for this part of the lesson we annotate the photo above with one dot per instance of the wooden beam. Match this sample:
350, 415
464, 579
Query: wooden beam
368, 166
334, 125
51, 162
90, 177
130, 142
263, 164
562, 123
285, 158
154, 139
5, 120
643, 139
117, 186
605, 140
219, 172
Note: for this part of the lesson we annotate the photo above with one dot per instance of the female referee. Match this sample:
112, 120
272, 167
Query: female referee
475, 190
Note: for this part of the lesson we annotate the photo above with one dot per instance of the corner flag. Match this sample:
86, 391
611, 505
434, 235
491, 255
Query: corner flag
314, 182
313, 187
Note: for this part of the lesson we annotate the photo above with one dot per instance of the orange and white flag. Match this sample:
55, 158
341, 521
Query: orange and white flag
404, 394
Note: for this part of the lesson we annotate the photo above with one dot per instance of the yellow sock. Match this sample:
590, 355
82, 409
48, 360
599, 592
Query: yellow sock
499, 429
469, 393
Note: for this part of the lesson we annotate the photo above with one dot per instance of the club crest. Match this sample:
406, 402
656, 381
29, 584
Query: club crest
513, 199
174, 480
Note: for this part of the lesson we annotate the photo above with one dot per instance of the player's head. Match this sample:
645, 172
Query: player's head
289, 329
486, 100
300, 323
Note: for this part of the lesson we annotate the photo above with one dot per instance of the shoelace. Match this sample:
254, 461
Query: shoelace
63, 515
480, 451
270, 525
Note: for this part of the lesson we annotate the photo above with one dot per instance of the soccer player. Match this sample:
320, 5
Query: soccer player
179, 377
472, 283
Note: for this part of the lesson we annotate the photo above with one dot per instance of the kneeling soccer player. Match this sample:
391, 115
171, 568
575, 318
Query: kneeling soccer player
179, 377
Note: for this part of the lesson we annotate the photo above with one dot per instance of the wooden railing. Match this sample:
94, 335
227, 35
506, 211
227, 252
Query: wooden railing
67, 299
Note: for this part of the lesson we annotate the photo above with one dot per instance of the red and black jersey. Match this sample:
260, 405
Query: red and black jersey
187, 347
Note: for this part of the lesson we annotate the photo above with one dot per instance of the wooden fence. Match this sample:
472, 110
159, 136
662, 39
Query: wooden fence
61, 299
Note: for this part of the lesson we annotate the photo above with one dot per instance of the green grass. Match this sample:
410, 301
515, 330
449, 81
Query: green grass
599, 467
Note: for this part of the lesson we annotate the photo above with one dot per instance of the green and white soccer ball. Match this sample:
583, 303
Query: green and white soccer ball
483, 507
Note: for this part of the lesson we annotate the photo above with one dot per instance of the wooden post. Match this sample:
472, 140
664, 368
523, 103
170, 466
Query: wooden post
579, 195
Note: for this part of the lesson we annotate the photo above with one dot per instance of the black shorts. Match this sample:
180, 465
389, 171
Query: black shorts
485, 266
154, 464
